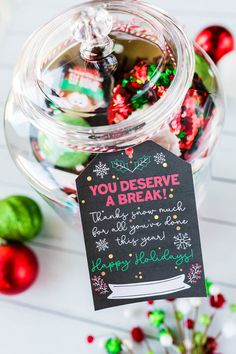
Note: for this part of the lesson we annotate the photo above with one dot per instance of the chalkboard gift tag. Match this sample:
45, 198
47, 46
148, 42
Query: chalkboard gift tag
140, 226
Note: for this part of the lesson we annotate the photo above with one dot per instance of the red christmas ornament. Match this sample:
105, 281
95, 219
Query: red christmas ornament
216, 41
189, 323
149, 313
217, 301
18, 268
90, 339
137, 334
171, 299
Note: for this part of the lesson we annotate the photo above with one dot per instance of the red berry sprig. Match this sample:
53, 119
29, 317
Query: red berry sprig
137, 334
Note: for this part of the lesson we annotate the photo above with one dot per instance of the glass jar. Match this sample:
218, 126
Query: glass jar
104, 76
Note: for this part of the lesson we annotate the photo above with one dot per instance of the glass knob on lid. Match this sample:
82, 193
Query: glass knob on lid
91, 29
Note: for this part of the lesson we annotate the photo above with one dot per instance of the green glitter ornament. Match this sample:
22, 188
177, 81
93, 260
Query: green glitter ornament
113, 346
20, 218
157, 317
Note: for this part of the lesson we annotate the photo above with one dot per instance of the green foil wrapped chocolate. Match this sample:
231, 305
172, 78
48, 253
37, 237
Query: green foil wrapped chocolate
20, 218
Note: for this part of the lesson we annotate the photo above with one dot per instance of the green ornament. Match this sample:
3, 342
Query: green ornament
113, 346
232, 307
199, 338
205, 320
157, 317
20, 218
208, 285
59, 154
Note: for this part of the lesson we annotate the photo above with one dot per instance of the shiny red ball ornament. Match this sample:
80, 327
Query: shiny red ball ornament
216, 41
217, 301
189, 323
18, 268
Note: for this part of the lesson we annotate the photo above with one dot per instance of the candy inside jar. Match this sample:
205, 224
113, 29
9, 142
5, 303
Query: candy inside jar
112, 78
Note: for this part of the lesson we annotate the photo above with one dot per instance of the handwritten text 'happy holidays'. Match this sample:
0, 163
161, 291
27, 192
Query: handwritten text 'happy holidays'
135, 190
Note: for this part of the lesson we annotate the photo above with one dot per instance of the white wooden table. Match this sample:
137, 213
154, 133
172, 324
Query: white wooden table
56, 314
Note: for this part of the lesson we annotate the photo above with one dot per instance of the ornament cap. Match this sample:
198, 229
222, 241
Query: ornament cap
2, 242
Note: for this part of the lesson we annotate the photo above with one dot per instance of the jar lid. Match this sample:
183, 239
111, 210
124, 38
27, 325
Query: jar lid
102, 63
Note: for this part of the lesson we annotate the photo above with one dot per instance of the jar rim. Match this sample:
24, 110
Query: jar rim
140, 126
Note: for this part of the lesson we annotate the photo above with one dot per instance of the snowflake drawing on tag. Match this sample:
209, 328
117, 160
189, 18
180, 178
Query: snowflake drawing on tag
159, 158
100, 286
182, 241
102, 245
101, 169
194, 273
